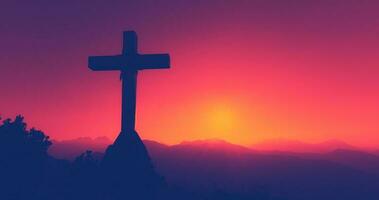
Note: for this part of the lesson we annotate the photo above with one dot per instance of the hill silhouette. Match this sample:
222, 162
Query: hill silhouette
204, 169
357, 159
128, 170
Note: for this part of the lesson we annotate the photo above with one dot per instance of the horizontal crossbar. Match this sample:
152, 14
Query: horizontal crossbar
119, 62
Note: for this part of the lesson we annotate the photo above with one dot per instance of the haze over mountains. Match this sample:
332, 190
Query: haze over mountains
69, 149
299, 146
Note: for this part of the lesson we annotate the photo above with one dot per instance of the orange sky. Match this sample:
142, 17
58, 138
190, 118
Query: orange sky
243, 71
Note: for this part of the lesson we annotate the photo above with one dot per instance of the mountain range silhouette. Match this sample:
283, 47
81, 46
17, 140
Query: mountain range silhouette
211, 163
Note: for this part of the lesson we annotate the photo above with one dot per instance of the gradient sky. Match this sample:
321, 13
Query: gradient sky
243, 71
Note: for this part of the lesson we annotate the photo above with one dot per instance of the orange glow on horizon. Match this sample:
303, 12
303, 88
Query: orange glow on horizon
240, 72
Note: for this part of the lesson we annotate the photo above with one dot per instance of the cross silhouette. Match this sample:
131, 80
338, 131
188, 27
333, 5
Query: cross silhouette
129, 63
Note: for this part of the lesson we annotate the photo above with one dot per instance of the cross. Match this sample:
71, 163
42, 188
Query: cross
129, 63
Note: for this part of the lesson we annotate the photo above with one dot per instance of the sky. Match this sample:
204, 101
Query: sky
243, 71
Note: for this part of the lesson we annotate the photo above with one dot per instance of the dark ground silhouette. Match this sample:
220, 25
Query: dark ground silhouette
125, 172
28, 172
190, 170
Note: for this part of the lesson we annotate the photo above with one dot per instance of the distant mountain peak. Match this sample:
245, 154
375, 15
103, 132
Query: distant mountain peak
214, 145
206, 141
299, 146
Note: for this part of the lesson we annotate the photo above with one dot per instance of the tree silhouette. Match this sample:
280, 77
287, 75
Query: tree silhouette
23, 154
16, 139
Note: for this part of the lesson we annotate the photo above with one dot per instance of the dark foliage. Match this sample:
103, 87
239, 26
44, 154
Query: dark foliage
23, 157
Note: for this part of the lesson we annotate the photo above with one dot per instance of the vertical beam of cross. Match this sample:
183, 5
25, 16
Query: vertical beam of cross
129, 83
129, 96
129, 63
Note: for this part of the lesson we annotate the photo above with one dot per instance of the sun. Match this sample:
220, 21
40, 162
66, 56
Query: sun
220, 121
